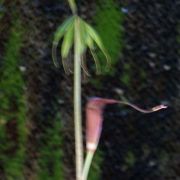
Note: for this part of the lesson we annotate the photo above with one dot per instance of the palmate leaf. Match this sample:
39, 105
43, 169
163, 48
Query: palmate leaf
90, 38
62, 28
96, 38
58, 35
66, 45
89, 41
83, 35
86, 41
67, 41
90, 44
80, 36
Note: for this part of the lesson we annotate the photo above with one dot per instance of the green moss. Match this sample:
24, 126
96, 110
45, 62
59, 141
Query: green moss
126, 79
109, 21
50, 160
164, 159
143, 74
12, 106
126, 75
96, 83
95, 170
129, 161
11, 84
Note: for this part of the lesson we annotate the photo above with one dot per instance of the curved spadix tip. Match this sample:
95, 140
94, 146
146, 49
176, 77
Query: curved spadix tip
161, 106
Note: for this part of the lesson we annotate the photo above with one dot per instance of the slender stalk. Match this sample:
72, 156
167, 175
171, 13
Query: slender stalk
72, 5
77, 103
87, 164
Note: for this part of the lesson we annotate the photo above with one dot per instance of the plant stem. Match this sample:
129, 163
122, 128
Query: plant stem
87, 164
77, 103
72, 5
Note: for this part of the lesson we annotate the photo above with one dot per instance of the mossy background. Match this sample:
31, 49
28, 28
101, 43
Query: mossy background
13, 129
36, 124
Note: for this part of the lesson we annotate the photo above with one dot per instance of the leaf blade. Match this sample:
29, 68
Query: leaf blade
94, 35
67, 42
58, 35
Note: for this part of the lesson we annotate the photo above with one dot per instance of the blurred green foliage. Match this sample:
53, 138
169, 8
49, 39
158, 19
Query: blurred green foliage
12, 106
50, 160
95, 170
129, 161
109, 20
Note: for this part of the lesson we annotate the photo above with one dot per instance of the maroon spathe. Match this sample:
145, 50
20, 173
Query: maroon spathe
94, 118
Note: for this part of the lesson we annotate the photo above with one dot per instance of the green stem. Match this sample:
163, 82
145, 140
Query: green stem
73, 7
77, 103
87, 164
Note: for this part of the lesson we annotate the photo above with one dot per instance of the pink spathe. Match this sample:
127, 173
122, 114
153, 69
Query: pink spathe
94, 118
